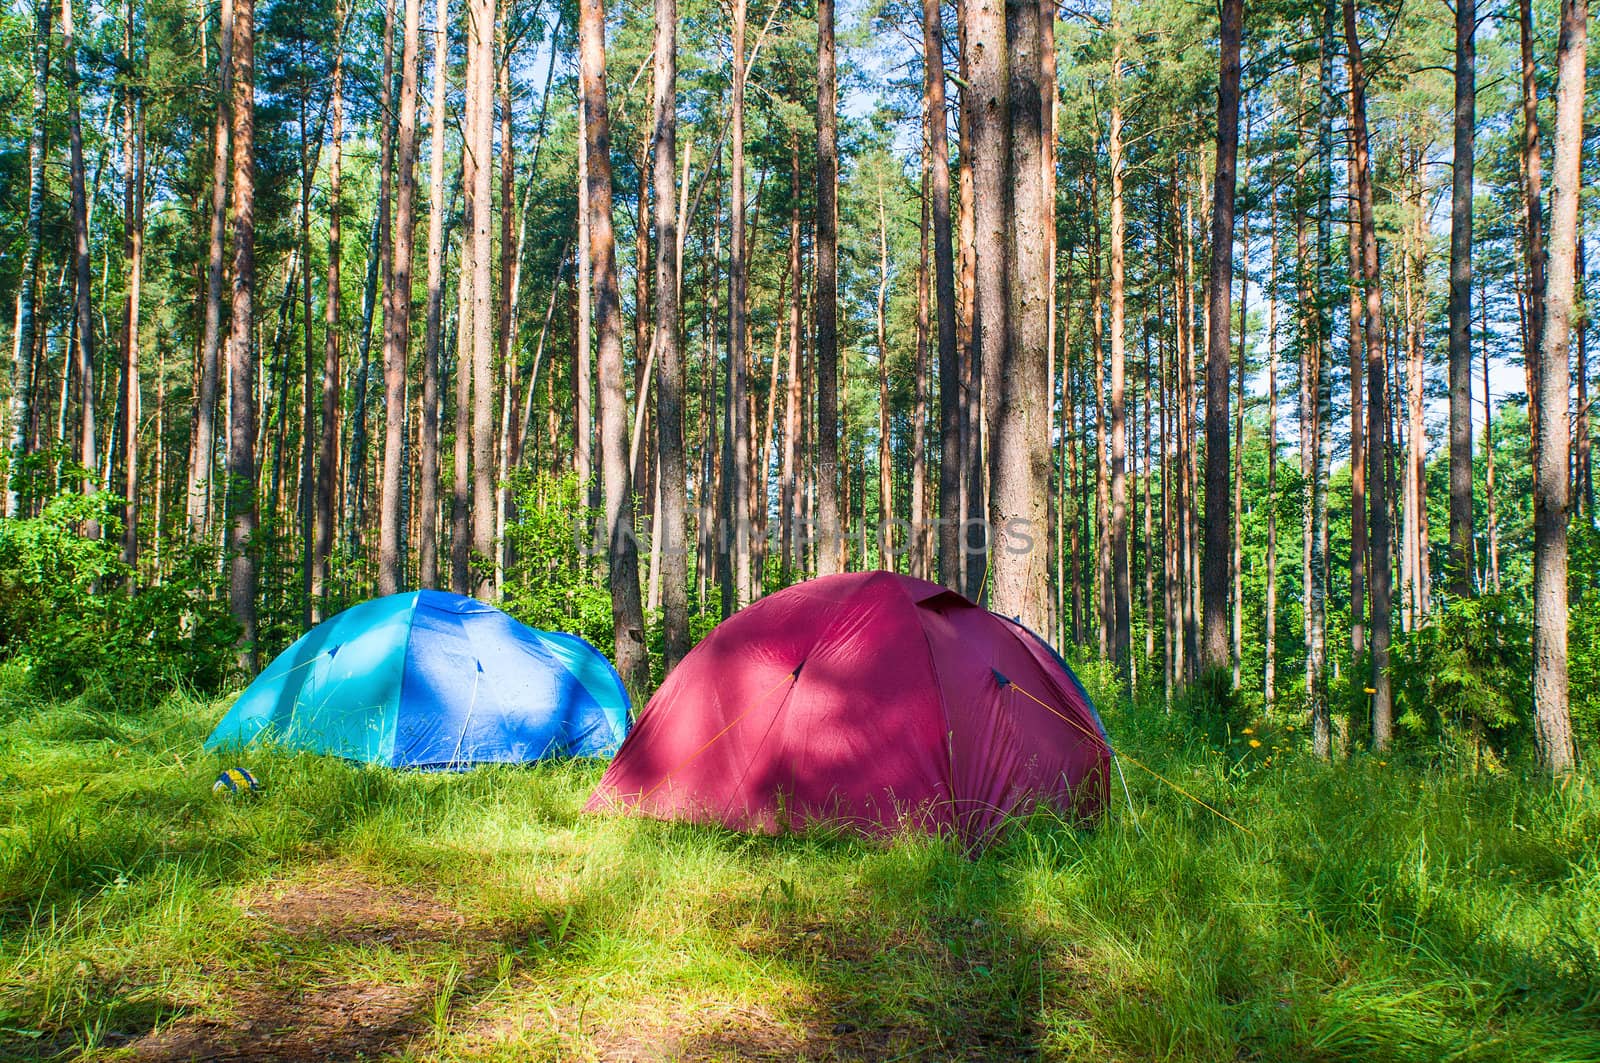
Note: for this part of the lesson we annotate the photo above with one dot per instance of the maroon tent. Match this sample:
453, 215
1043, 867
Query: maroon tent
869, 699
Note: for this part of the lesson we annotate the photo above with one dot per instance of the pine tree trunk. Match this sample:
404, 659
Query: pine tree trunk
481, 41
1461, 536
1551, 499
1236, 555
830, 545
1532, 230
397, 315
938, 146
133, 250
472, 207
917, 519
632, 657
886, 545
1378, 396
1121, 587
328, 443
1215, 593
241, 508
1270, 638
583, 429
670, 520
83, 302
738, 324
1019, 443
428, 502
23, 338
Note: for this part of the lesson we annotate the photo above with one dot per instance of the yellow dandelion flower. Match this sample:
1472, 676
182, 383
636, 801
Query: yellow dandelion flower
1249, 730
1255, 743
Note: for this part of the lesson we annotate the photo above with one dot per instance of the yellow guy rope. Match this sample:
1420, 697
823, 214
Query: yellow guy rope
1124, 756
713, 739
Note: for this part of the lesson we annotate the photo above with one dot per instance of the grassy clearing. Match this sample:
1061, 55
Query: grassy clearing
1374, 912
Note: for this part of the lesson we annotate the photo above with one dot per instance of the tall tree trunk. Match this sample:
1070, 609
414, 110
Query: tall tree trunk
472, 207
506, 354
1122, 592
738, 324
23, 340
241, 509
1583, 465
428, 537
1378, 395
481, 15
886, 545
379, 263
583, 429
1019, 442
830, 545
1236, 554
917, 520
1532, 227
1270, 637
328, 444
1551, 499
1219, 341
1316, 399
788, 505
632, 657
1492, 575
397, 316
82, 299
1359, 441
133, 249
938, 146
1416, 429
670, 520
988, 58
1461, 560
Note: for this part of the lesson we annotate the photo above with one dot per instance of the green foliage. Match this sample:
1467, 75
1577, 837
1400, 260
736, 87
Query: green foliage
1464, 675
1214, 712
69, 613
552, 581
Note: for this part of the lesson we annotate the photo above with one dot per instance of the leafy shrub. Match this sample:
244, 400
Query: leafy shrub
1212, 709
70, 614
1464, 676
552, 581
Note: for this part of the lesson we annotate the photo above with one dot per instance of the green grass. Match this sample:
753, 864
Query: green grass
1372, 912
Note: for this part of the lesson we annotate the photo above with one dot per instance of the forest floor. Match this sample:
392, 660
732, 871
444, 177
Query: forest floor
1368, 911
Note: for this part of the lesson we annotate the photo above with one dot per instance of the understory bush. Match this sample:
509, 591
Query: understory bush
74, 618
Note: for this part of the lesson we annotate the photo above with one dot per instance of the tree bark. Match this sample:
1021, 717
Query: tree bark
830, 545
1378, 395
632, 657
1121, 586
738, 324
1019, 442
328, 443
1215, 612
23, 339
133, 250
83, 303
1532, 227
885, 470
428, 503
938, 140
397, 315
789, 498
1461, 540
482, 17
241, 350
670, 520
1551, 498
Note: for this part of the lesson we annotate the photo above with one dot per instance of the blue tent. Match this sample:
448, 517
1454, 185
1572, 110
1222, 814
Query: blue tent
432, 680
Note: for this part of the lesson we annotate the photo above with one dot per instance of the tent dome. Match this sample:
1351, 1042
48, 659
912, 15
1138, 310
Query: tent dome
871, 699
432, 680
